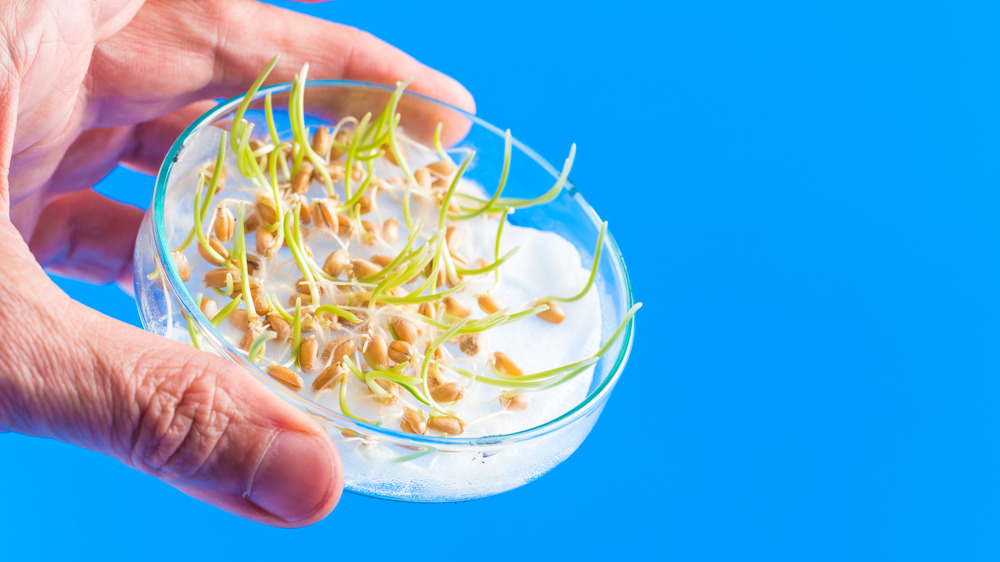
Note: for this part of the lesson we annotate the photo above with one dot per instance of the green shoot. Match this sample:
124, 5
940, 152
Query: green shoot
451, 189
192, 332
226, 310
550, 194
238, 122
297, 330
343, 393
350, 317
593, 269
258, 345
490, 267
437, 143
503, 182
239, 249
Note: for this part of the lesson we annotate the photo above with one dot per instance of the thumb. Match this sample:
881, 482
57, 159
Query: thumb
189, 418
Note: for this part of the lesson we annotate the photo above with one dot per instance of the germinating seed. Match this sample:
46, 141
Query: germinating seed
325, 213
555, 314
239, 318
447, 393
488, 303
390, 230
448, 425
451, 238
225, 224
181, 265
307, 353
364, 268
218, 248
322, 141
413, 421
376, 353
506, 365
442, 167
304, 298
279, 326
405, 330
265, 208
400, 351
266, 245
336, 263
514, 403
286, 376
338, 349
208, 307
217, 277
330, 377
248, 337
454, 306
423, 177
469, 344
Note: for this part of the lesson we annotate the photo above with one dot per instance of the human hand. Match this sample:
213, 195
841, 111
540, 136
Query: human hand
89, 84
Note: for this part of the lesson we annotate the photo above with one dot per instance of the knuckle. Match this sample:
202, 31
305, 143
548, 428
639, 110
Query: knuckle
182, 421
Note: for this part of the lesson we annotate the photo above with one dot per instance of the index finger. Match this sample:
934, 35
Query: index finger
173, 53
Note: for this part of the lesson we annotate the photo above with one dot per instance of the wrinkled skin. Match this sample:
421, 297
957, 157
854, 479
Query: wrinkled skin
86, 85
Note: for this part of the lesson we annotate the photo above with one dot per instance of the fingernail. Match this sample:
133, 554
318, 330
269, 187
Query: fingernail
295, 477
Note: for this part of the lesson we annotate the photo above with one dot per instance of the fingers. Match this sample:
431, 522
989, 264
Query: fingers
87, 236
173, 53
152, 140
96, 152
189, 418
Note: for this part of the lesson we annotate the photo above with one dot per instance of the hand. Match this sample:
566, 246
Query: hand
89, 84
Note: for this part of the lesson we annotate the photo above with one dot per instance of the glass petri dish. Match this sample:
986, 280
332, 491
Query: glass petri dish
381, 461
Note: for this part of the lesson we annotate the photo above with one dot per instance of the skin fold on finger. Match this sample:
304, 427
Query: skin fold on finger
87, 236
220, 47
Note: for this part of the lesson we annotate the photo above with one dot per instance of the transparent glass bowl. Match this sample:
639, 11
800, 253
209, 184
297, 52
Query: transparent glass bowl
381, 461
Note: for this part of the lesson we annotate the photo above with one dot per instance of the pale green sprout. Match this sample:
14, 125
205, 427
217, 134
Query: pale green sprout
593, 269
272, 169
258, 344
424, 298
426, 363
292, 238
403, 255
503, 182
239, 249
195, 340
343, 389
451, 189
238, 122
297, 331
276, 306
547, 197
199, 205
437, 143
225, 311
296, 112
543, 380
346, 315
411, 384
209, 195
273, 131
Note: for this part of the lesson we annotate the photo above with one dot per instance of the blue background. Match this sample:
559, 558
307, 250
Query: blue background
807, 196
